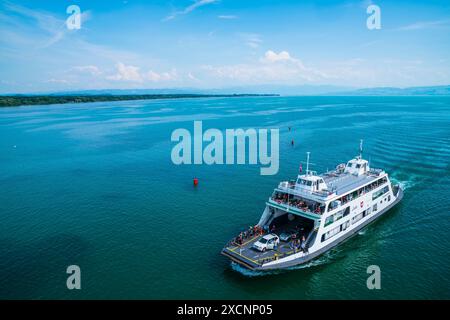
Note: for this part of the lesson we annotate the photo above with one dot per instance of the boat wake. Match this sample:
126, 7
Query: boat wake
252, 273
404, 184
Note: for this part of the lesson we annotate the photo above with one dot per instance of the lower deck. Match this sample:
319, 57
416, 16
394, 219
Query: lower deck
245, 254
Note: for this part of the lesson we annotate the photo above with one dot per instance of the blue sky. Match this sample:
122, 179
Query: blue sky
221, 43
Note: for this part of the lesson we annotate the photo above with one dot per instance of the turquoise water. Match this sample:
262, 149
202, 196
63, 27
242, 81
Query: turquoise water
93, 185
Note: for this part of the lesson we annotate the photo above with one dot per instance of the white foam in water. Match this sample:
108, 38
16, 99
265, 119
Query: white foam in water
404, 184
251, 273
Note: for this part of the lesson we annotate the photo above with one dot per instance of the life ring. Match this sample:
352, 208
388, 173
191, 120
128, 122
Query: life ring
361, 204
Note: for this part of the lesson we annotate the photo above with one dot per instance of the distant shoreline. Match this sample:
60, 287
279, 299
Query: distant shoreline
28, 100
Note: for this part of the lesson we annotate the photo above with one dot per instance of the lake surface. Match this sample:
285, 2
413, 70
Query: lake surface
94, 185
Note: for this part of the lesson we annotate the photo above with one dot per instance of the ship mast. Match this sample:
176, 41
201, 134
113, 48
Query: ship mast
307, 163
360, 148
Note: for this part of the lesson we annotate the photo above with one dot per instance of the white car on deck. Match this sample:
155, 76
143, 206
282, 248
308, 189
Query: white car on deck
268, 242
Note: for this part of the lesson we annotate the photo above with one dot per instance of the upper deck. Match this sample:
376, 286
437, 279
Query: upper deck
344, 182
322, 188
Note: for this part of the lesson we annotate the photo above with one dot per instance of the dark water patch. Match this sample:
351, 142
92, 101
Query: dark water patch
38, 268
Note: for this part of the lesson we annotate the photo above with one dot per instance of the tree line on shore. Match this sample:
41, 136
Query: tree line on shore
22, 100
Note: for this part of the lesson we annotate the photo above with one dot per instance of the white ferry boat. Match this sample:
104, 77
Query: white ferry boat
310, 215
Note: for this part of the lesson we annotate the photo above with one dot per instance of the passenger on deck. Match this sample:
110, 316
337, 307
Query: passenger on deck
293, 246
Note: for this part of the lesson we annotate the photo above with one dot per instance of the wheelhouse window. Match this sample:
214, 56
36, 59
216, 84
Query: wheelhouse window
304, 182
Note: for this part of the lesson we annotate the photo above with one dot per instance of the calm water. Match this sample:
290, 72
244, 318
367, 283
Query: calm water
93, 185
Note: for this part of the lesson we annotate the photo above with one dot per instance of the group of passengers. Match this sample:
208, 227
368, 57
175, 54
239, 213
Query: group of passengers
252, 231
297, 203
298, 244
363, 190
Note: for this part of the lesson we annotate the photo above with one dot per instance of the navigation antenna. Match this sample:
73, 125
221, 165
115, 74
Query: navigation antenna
307, 162
360, 148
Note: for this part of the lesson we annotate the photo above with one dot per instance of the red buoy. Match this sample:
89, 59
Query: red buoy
195, 181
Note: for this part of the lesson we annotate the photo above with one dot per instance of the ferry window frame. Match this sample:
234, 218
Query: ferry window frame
329, 220
358, 217
347, 211
331, 233
345, 225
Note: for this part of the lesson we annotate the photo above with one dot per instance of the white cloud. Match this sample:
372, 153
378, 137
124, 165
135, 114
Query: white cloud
92, 70
58, 81
192, 77
164, 76
273, 67
131, 73
54, 27
271, 56
227, 17
426, 25
126, 73
253, 40
192, 7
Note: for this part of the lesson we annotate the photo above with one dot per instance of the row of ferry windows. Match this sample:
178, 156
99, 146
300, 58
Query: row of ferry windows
309, 183
380, 192
344, 212
357, 193
337, 216
346, 224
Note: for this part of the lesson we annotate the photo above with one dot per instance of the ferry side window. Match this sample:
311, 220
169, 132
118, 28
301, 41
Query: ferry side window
347, 211
375, 207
